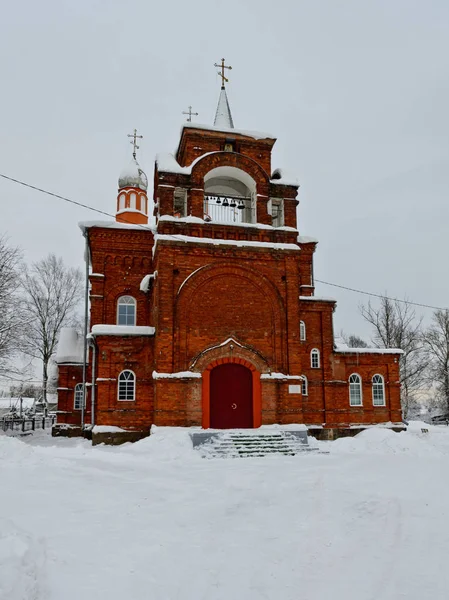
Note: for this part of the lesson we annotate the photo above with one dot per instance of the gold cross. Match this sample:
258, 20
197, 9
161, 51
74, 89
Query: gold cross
134, 141
222, 74
190, 113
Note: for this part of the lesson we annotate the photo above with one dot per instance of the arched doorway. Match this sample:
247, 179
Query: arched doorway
231, 396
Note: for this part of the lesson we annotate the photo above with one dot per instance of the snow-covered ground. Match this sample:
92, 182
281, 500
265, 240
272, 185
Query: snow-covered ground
369, 520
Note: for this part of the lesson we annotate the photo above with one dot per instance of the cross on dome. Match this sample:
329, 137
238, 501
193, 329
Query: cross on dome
222, 74
223, 117
134, 141
190, 114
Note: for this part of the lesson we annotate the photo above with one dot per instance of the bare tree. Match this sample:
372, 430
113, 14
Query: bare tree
52, 293
10, 313
436, 341
397, 326
352, 340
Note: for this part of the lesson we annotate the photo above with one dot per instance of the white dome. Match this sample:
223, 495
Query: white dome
133, 176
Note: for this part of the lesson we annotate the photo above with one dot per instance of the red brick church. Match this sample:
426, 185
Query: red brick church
209, 316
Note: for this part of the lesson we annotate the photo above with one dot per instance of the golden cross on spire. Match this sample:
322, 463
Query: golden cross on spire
134, 141
222, 74
190, 113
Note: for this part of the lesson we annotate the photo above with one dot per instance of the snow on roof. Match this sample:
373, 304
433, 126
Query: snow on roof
70, 346
166, 161
257, 135
122, 330
133, 176
317, 299
220, 242
84, 225
275, 375
283, 177
304, 239
344, 349
191, 219
223, 117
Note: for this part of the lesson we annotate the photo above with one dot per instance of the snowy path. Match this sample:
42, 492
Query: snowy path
369, 521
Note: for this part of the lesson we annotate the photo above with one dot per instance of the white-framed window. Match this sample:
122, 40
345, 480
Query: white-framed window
304, 386
78, 396
315, 358
127, 386
355, 390
378, 390
143, 204
276, 210
302, 331
121, 202
180, 202
132, 203
126, 310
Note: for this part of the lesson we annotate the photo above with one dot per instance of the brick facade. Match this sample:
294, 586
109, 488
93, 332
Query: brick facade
219, 292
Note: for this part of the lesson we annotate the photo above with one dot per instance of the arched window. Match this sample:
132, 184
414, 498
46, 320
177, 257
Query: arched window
315, 359
127, 386
355, 390
302, 331
304, 386
126, 311
78, 396
378, 391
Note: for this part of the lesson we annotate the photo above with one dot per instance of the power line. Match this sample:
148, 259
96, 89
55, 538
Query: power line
343, 287
102, 212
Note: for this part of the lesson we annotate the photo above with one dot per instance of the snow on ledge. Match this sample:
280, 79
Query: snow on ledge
70, 347
145, 283
220, 242
283, 177
304, 239
191, 219
342, 349
179, 375
107, 429
317, 299
280, 376
84, 225
122, 330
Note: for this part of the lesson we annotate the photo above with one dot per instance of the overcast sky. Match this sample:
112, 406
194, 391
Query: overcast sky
356, 91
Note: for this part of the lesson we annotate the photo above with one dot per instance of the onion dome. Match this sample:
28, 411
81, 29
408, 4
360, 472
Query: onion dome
133, 176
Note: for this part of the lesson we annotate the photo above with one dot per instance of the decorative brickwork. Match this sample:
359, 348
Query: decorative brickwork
215, 293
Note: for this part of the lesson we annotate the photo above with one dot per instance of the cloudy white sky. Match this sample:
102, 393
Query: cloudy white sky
357, 93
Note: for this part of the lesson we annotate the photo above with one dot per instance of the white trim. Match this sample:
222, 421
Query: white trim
315, 352
134, 386
383, 389
359, 383
305, 385
302, 331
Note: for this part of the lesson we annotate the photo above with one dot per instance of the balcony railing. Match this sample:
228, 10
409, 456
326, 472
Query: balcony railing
228, 209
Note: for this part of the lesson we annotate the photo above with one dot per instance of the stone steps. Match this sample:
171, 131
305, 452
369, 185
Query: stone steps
236, 444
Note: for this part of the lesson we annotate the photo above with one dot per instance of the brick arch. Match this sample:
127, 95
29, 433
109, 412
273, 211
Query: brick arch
230, 159
257, 395
191, 289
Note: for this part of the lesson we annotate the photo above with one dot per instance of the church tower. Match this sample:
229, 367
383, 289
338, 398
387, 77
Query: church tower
209, 317
132, 199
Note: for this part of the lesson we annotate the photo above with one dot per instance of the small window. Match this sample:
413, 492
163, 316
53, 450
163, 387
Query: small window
126, 311
355, 390
78, 399
277, 212
142, 206
302, 331
304, 386
121, 202
315, 359
378, 391
126, 386
133, 200
180, 202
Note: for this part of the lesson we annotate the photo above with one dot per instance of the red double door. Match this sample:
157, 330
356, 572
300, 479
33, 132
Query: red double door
231, 397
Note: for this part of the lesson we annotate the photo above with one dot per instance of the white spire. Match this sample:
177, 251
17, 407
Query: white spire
223, 117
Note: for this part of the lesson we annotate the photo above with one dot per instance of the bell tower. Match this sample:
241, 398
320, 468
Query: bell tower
132, 199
